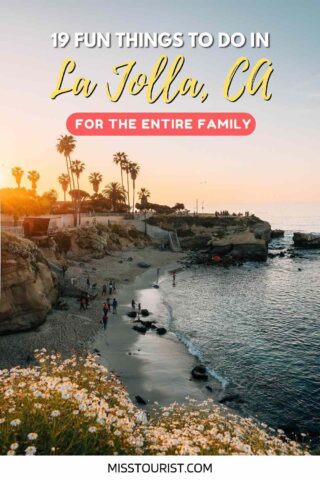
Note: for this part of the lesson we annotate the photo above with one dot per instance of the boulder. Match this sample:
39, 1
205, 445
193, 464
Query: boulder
132, 314
306, 240
140, 328
243, 245
141, 400
161, 330
199, 372
144, 265
277, 233
28, 287
145, 312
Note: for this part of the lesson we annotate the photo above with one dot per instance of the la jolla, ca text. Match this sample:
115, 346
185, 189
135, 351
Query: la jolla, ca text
165, 81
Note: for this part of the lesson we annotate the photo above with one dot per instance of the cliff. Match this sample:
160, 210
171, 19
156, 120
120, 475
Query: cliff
28, 288
239, 238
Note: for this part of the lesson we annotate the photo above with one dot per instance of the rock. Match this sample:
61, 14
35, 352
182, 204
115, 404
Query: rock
28, 287
140, 328
243, 245
199, 372
282, 254
144, 265
147, 324
277, 233
161, 330
145, 312
306, 240
262, 231
132, 314
209, 388
231, 398
141, 400
197, 242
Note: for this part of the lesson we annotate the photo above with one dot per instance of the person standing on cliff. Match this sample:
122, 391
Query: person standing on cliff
104, 289
110, 287
133, 304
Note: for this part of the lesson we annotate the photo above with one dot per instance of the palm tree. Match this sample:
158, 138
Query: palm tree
66, 144
143, 195
33, 177
77, 168
63, 179
115, 193
120, 158
17, 172
126, 168
134, 172
95, 178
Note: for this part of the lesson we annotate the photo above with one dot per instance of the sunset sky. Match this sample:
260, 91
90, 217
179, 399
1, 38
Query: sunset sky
278, 163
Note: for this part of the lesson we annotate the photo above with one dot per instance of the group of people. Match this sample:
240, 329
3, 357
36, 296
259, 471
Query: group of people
111, 287
133, 305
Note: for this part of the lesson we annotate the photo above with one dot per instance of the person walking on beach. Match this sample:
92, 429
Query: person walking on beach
104, 289
173, 279
109, 303
114, 305
105, 321
139, 308
105, 308
114, 289
87, 300
82, 303
110, 287
88, 282
133, 304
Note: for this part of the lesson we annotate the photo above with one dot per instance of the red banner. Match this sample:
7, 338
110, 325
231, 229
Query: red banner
161, 124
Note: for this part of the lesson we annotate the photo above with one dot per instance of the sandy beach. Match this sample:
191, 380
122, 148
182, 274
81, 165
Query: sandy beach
148, 364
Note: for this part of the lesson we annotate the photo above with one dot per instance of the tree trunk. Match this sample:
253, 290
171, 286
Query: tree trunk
128, 194
133, 195
72, 185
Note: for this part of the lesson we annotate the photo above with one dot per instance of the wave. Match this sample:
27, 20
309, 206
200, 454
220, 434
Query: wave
191, 347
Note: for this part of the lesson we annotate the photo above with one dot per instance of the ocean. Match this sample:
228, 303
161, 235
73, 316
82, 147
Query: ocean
256, 327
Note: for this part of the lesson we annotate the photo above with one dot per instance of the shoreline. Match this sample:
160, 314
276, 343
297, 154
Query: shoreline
149, 365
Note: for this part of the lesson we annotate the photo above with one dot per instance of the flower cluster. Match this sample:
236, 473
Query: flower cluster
75, 406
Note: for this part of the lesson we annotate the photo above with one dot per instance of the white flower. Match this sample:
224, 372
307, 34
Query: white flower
15, 423
11, 452
32, 436
2, 420
30, 450
92, 429
14, 446
55, 413
75, 412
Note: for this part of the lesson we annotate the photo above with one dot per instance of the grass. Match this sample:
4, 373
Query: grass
76, 407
